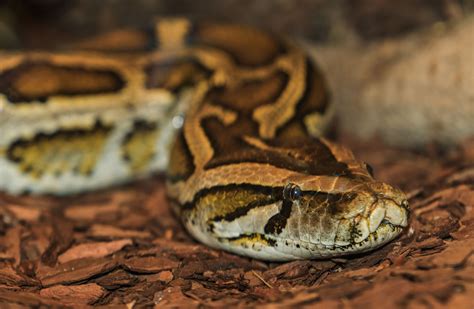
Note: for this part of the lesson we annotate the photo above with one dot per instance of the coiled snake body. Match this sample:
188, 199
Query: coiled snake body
235, 117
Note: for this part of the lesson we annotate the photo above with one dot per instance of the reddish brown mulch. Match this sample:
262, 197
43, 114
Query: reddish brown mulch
123, 247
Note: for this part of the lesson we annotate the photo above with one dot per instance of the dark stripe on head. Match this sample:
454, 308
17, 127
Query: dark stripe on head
277, 222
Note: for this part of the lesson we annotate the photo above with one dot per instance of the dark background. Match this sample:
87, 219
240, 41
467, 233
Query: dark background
40, 22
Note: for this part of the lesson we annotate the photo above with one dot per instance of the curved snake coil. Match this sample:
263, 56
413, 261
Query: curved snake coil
233, 114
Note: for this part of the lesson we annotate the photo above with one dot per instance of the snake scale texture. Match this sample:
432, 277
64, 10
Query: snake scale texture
233, 115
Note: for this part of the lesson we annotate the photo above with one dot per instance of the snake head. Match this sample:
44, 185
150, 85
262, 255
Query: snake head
342, 223
310, 203
297, 222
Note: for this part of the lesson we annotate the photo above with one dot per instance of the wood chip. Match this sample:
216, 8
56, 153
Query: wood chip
25, 213
76, 270
84, 294
149, 264
93, 250
107, 231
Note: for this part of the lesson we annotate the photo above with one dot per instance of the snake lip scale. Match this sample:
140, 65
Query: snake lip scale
233, 115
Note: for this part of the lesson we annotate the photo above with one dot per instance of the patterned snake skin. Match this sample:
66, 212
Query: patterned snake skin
235, 117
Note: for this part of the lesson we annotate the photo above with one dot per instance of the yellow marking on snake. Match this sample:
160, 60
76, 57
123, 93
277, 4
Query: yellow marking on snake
60, 152
139, 146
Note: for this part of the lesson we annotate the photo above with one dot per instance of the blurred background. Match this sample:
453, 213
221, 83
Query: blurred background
400, 71
317, 20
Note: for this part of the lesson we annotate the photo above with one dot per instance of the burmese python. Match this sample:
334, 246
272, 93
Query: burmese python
248, 171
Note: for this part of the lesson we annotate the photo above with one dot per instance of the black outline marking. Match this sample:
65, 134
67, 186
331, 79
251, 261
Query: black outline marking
189, 158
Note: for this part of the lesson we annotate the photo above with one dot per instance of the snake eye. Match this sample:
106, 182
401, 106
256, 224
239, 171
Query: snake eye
369, 168
292, 192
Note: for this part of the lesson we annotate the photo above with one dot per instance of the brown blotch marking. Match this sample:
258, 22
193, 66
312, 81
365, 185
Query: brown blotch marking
250, 94
248, 46
31, 81
313, 157
67, 150
124, 40
243, 99
174, 76
138, 148
295, 129
316, 96
181, 164
229, 147
305, 155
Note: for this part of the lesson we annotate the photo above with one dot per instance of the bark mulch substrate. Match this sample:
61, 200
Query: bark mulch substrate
123, 247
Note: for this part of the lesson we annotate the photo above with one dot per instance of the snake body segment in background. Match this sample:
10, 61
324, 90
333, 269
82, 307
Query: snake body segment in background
234, 115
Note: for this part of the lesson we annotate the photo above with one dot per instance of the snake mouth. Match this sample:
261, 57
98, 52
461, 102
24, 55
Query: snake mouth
357, 235
385, 232
274, 248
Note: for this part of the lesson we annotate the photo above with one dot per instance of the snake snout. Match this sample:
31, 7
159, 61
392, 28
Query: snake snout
384, 217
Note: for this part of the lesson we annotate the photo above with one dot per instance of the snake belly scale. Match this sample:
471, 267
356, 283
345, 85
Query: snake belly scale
235, 117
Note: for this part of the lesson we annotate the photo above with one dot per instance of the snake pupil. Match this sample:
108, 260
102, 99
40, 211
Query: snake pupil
291, 192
